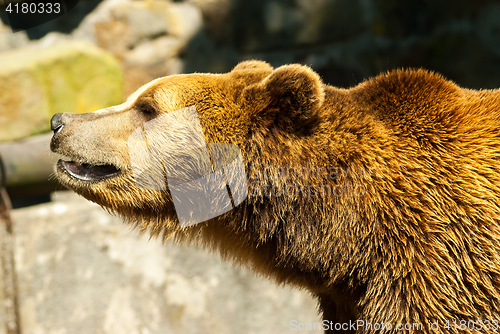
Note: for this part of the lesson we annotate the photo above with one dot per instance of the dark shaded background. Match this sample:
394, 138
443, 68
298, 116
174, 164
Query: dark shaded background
359, 39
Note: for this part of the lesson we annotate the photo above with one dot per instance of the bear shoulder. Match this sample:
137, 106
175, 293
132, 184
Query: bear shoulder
422, 102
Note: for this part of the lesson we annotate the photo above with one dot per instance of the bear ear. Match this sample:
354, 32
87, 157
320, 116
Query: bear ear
292, 94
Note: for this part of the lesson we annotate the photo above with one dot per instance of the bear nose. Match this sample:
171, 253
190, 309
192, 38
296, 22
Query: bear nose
56, 122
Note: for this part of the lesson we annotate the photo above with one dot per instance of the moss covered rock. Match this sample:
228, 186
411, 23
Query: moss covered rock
39, 81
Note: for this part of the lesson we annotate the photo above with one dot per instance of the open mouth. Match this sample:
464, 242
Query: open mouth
88, 172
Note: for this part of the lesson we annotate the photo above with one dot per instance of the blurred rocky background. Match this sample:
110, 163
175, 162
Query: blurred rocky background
80, 270
346, 41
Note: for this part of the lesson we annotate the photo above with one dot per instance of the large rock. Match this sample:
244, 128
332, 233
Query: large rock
123, 25
148, 37
9, 40
82, 271
38, 81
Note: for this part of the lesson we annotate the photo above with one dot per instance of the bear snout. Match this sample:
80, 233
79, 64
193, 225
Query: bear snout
56, 122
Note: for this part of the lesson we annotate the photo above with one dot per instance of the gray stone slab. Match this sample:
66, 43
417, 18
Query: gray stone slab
81, 270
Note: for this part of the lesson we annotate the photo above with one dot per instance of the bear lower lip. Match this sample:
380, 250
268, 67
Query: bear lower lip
88, 172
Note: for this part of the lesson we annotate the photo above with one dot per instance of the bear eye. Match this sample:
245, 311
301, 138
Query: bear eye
146, 107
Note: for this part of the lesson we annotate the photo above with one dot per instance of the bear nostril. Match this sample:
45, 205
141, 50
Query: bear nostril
56, 122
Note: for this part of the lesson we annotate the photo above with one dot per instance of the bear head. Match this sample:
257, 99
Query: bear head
252, 102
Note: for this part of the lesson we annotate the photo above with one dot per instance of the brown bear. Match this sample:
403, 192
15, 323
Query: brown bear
382, 200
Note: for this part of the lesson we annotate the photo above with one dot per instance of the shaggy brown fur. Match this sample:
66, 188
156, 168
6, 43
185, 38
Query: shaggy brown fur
382, 200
